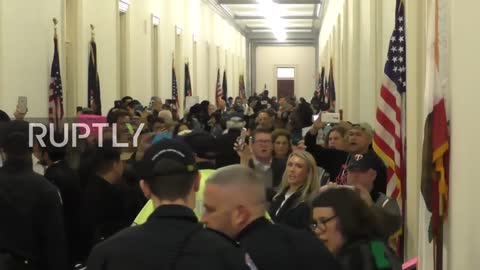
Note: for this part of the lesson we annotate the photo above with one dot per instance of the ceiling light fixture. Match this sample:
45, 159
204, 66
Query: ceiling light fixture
318, 9
271, 12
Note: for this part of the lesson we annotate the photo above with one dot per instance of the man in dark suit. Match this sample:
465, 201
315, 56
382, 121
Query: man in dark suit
66, 180
262, 161
234, 201
103, 211
32, 231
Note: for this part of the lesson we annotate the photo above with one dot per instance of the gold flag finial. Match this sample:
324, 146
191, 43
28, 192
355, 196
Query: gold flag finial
55, 22
92, 31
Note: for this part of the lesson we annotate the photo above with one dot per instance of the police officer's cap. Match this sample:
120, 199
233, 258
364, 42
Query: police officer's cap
167, 157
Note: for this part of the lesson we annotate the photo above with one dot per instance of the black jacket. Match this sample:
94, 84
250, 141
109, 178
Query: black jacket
274, 246
172, 238
67, 182
103, 212
293, 213
31, 224
335, 162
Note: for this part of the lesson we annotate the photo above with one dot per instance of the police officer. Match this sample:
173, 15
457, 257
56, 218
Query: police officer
171, 238
234, 202
201, 143
32, 234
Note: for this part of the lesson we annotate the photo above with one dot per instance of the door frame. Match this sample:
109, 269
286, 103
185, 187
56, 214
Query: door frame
275, 87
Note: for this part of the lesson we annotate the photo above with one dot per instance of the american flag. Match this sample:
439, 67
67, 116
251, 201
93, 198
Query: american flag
55, 99
390, 125
175, 91
218, 90
320, 82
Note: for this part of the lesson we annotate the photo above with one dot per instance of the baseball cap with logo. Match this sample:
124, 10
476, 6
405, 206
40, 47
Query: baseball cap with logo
362, 162
167, 157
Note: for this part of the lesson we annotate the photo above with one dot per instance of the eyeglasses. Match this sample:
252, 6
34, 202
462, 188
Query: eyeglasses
321, 224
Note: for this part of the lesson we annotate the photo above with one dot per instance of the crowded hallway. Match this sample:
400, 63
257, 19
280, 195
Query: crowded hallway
232, 134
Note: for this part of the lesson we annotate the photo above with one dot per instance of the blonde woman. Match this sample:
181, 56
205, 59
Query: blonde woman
300, 180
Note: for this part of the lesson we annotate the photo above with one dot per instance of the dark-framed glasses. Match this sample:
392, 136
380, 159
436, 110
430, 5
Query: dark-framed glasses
321, 224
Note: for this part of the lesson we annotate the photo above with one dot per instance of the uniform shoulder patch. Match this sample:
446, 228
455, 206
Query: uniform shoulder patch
249, 262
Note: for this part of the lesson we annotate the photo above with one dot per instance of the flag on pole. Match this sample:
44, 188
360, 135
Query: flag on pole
218, 90
320, 87
188, 85
55, 99
434, 185
224, 85
326, 98
389, 125
241, 87
94, 98
175, 92
331, 89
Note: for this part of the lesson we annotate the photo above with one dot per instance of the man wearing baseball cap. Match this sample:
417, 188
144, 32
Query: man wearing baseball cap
362, 173
171, 238
335, 162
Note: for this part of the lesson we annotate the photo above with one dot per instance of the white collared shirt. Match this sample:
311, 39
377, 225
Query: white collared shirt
262, 166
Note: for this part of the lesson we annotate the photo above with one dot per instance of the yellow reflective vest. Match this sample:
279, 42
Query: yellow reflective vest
148, 209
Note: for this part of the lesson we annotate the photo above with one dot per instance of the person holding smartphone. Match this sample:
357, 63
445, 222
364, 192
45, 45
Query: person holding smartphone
258, 155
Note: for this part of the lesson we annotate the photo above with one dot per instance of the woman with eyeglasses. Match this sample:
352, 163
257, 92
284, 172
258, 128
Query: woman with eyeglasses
300, 180
348, 228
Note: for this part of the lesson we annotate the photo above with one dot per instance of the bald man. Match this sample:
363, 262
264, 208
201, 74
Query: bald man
234, 201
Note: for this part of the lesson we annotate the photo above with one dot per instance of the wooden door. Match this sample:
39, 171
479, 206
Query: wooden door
285, 88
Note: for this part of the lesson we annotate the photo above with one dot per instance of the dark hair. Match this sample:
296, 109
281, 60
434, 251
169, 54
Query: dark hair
55, 153
356, 221
301, 117
260, 131
205, 104
105, 157
217, 115
125, 98
4, 117
172, 186
154, 120
279, 132
339, 129
269, 112
17, 147
114, 115
133, 104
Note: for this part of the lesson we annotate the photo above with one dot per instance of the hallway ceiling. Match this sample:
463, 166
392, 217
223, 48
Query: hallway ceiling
301, 19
